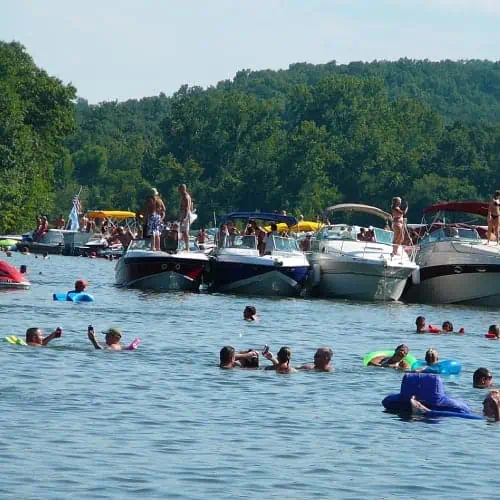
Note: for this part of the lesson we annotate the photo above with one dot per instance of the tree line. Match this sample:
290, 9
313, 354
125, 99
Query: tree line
297, 140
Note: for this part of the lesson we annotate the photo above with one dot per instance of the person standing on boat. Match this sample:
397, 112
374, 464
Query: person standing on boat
494, 217
155, 212
398, 215
185, 214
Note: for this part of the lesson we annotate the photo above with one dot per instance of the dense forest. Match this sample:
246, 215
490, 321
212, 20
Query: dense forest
297, 139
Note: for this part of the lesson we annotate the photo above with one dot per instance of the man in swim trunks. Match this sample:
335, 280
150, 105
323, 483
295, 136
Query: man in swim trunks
322, 359
395, 361
112, 339
35, 338
482, 378
184, 214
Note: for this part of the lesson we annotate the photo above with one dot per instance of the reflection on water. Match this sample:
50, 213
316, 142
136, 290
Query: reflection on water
164, 421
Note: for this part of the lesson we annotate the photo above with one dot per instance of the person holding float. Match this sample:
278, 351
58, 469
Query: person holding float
493, 332
399, 358
112, 339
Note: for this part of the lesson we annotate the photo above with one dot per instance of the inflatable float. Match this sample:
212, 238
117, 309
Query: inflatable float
12, 339
133, 346
411, 360
445, 367
427, 388
10, 277
73, 297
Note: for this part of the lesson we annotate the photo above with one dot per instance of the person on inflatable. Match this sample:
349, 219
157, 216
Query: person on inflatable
431, 358
493, 332
482, 378
80, 286
35, 338
322, 359
112, 339
421, 328
395, 361
230, 359
491, 406
281, 363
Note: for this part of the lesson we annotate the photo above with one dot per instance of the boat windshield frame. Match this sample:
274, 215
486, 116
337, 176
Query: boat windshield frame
459, 235
382, 236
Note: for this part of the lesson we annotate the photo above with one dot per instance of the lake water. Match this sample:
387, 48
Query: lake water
165, 421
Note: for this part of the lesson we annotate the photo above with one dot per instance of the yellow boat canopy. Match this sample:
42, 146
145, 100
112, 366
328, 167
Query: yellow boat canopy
113, 214
303, 225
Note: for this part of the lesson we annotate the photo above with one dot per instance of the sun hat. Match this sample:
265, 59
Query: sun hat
114, 332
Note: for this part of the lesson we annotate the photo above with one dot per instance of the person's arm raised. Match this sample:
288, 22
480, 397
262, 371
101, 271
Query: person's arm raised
91, 336
54, 335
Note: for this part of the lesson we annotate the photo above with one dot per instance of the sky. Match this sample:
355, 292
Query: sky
122, 49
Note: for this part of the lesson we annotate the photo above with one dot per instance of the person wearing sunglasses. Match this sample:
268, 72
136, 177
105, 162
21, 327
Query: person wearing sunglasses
482, 378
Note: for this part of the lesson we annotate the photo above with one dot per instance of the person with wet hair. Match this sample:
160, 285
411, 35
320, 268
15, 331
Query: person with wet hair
491, 405
447, 327
249, 362
395, 361
482, 378
35, 338
494, 332
431, 358
250, 313
228, 358
281, 362
322, 359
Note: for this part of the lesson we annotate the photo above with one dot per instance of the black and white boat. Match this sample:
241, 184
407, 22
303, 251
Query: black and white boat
239, 266
457, 266
171, 269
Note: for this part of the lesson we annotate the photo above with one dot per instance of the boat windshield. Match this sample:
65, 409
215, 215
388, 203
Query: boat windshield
345, 232
247, 241
451, 234
281, 244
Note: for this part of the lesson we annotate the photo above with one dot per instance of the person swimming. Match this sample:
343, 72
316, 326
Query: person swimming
281, 363
112, 339
229, 358
395, 361
35, 338
447, 327
482, 378
422, 328
250, 313
322, 359
431, 358
494, 331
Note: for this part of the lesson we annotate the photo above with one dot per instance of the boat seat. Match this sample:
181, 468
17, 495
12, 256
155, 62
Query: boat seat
169, 241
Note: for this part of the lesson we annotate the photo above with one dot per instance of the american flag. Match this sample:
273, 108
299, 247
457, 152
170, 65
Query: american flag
77, 205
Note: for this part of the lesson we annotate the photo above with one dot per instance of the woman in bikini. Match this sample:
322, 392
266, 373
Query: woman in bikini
493, 217
397, 223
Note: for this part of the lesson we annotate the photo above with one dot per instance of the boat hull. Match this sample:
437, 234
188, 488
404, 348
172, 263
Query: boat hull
252, 278
343, 277
160, 271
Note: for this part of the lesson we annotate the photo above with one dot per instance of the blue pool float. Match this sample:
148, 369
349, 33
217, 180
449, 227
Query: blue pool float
438, 414
445, 367
73, 297
427, 388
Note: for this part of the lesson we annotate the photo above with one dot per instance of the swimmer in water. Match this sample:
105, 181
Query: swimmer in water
80, 286
250, 313
35, 338
281, 363
322, 359
112, 339
229, 358
431, 358
447, 327
422, 328
395, 361
482, 378
494, 331
249, 362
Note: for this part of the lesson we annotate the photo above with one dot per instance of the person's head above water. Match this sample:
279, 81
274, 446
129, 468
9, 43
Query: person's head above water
420, 322
113, 336
322, 358
80, 285
34, 336
252, 362
226, 356
494, 330
482, 378
284, 355
250, 313
447, 326
491, 405
431, 356
401, 351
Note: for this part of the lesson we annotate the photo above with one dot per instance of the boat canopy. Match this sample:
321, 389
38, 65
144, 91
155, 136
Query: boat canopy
301, 226
114, 214
468, 207
289, 220
356, 207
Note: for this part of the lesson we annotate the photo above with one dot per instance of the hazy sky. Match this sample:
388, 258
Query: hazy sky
118, 49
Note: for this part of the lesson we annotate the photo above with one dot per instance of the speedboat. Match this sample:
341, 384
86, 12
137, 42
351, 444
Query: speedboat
11, 278
52, 242
347, 267
457, 266
171, 269
238, 266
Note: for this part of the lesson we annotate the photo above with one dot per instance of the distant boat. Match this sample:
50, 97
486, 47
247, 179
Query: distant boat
11, 278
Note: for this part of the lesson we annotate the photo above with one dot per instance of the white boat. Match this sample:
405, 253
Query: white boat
344, 266
237, 266
171, 269
457, 266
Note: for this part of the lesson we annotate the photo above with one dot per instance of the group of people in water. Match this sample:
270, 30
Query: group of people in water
447, 327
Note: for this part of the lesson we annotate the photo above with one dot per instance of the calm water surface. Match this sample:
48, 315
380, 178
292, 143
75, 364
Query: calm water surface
164, 421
